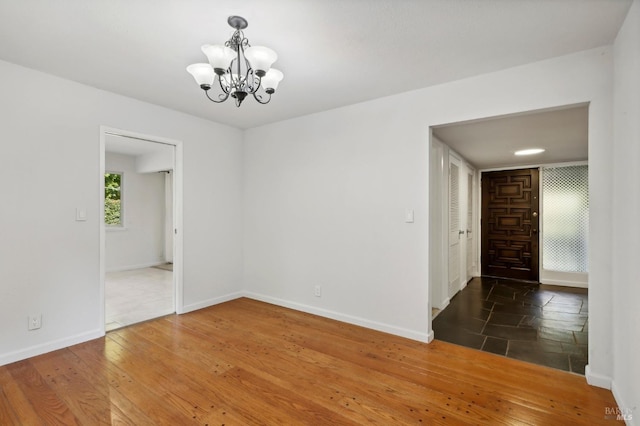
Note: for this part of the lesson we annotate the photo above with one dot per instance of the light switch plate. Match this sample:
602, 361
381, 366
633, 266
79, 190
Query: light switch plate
408, 216
81, 214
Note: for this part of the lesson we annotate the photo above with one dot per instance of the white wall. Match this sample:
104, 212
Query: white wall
159, 160
140, 242
49, 263
626, 197
325, 196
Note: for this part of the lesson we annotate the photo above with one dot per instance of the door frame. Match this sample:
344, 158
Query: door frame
472, 227
177, 215
439, 154
438, 244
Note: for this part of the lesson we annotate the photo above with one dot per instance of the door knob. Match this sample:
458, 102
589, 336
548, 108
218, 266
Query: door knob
535, 214
461, 232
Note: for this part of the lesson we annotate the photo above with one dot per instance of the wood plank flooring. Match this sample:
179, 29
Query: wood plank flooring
245, 362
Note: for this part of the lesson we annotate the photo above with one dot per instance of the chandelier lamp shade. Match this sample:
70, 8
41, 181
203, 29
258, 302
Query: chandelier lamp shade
239, 68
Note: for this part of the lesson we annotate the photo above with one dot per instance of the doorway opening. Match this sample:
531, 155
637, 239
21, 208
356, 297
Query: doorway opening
544, 320
140, 246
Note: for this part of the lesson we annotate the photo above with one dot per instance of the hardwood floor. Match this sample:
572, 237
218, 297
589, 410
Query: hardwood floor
246, 362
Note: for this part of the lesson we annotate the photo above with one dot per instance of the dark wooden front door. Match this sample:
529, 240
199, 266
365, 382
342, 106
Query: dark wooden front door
510, 218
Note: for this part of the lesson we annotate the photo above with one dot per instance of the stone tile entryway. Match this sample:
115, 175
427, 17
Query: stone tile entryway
541, 324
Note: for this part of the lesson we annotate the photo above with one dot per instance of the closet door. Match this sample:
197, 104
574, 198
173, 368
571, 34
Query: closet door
455, 232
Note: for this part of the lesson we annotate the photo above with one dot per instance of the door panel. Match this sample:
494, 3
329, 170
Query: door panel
470, 225
168, 217
510, 217
454, 225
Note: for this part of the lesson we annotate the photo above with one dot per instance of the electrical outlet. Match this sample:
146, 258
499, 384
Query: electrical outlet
35, 322
317, 291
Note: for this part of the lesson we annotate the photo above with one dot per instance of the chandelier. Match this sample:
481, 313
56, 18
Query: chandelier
241, 69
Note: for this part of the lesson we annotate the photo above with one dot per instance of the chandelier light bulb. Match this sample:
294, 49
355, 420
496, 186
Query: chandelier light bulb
220, 57
271, 79
203, 74
261, 58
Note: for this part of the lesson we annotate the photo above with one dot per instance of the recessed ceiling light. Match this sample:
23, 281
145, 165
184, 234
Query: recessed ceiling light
531, 151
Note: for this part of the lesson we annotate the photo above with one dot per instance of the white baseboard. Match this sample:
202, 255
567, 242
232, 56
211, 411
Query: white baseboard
84, 337
564, 283
444, 303
565, 279
465, 283
211, 302
595, 379
629, 413
132, 267
374, 325
46, 347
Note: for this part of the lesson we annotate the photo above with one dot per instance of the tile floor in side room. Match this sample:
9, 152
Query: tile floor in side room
137, 295
541, 324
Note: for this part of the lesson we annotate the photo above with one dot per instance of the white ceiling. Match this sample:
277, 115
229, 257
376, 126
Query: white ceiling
332, 52
491, 143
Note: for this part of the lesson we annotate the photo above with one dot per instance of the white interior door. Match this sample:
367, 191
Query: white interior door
454, 225
462, 224
168, 219
470, 228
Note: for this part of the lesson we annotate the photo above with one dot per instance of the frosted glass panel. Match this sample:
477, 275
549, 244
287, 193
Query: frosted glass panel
565, 218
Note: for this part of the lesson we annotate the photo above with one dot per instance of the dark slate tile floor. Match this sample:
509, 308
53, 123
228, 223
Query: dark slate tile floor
545, 325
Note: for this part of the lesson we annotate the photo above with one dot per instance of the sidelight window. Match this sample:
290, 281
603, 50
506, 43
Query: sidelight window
565, 218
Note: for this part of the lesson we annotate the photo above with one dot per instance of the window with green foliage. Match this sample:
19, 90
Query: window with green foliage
113, 199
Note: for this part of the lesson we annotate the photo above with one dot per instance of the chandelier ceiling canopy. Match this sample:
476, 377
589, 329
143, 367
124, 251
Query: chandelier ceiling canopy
239, 68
